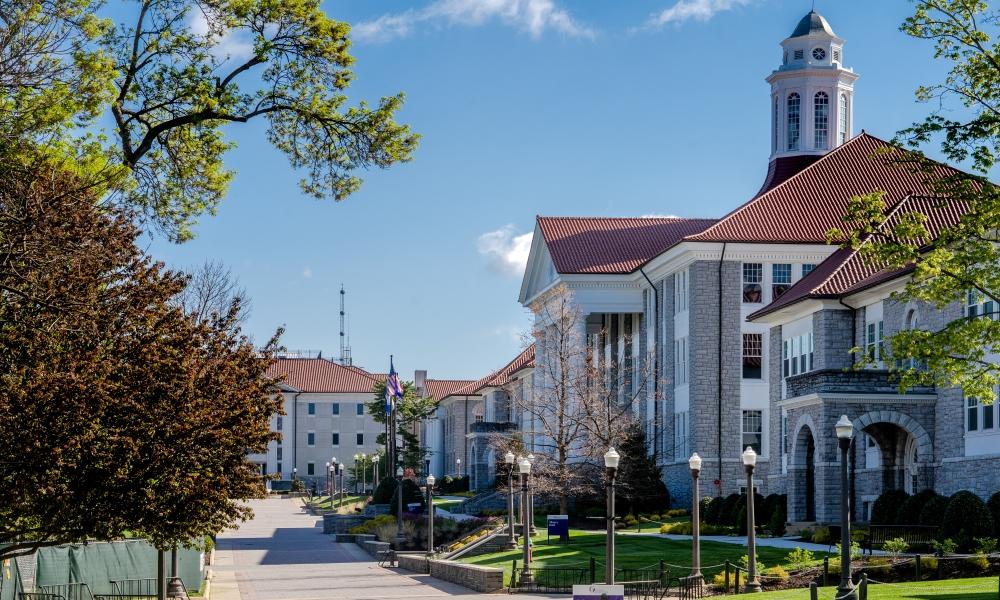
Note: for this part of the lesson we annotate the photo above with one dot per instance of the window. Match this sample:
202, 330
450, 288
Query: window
753, 275
752, 359
799, 54
335, 439
311, 408
821, 120
335, 408
278, 424
278, 468
980, 422
680, 362
680, 291
310, 468
777, 119
781, 279
311, 438
978, 305
753, 430
874, 337
278, 454
807, 269
361, 409
681, 439
842, 125
794, 118
972, 418
988, 411
784, 432
361, 439
836, 56
797, 355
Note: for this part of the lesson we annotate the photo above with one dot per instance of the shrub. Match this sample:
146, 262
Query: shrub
965, 519
994, 505
943, 547
986, 546
730, 510
979, 562
778, 573
298, 485
385, 491
855, 550
777, 523
929, 563
807, 535
369, 526
887, 505
411, 494
909, 510
770, 505
895, 546
933, 511
682, 528
719, 582
745, 563
741, 521
629, 520
821, 535
712, 509
679, 512
799, 558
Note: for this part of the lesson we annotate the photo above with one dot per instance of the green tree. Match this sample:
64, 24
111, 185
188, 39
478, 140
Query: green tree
172, 75
122, 413
411, 410
640, 487
958, 263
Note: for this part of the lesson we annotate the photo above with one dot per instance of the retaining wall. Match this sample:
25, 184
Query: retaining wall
474, 577
341, 523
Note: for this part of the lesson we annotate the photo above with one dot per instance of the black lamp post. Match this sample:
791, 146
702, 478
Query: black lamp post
695, 463
357, 475
327, 487
295, 476
752, 584
430, 514
611, 459
846, 591
375, 472
458, 467
525, 468
400, 538
531, 499
512, 537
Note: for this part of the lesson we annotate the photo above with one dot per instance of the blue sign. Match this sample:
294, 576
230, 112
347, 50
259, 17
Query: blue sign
559, 525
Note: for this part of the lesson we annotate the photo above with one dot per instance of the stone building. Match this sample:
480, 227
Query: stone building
748, 320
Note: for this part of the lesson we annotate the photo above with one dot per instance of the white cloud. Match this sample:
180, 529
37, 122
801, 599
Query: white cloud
228, 44
698, 10
532, 16
507, 252
307, 273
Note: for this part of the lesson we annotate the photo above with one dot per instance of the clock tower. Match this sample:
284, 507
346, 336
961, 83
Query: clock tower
812, 94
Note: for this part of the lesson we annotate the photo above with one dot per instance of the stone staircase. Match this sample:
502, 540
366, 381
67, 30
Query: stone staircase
491, 500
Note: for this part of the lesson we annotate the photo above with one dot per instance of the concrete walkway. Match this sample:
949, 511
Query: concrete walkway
282, 554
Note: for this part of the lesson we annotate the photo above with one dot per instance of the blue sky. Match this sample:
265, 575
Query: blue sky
555, 107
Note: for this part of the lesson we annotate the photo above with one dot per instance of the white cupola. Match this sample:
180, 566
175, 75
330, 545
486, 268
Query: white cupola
812, 92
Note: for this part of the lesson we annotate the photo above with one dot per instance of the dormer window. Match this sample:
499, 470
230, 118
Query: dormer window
799, 54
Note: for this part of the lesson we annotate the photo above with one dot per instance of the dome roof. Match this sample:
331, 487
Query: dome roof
812, 23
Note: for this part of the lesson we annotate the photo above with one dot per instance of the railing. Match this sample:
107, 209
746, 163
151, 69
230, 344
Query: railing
548, 579
648, 583
67, 591
134, 588
492, 427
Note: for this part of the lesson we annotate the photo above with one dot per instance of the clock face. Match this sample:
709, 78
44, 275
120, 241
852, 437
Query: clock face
819, 53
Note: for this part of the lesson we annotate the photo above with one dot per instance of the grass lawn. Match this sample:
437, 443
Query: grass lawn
447, 504
981, 588
630, 552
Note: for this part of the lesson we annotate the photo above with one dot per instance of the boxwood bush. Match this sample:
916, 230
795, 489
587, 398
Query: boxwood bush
965, 519
909, 510
887, 506
933, 511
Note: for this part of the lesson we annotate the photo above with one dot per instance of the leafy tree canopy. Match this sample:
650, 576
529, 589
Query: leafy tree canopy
959, 263
148, 94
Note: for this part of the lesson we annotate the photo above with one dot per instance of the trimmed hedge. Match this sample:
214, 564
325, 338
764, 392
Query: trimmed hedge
385, 491
909, 510
887, 506
993, 504
933, 511
965, 519
411, 494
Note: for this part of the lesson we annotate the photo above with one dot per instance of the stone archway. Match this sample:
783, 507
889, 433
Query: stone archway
904, 447
802, 471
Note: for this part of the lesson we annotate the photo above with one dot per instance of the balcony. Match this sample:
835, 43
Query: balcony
484, 427
838, 381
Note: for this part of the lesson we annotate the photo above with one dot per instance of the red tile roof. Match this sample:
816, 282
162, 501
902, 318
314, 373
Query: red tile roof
322, 376
806, 205
525, 359
846, 271
440, 388
781, 169
604, 245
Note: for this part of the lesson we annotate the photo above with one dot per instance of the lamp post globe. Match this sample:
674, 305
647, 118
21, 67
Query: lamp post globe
611, 459
753, 583
845, 431
694, 463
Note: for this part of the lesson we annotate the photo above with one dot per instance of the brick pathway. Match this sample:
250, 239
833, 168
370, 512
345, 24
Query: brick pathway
282, 554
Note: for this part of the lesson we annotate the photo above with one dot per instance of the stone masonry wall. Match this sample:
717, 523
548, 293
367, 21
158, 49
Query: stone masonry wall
776, 480
832, 339
474, 577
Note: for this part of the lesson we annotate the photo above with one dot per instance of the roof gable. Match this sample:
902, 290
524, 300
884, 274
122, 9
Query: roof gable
502, 375
803, 207
441, 388
319, 375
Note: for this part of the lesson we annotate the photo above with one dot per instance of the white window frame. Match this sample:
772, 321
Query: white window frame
680, 291
875, 340
844, 116
797, 355
744, 432
681, 361
821, 120
749, 268
786, 268
759, 356
793, 118
311, 435
979, 305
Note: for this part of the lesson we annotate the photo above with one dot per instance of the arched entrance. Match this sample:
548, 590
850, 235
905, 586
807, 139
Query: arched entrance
900, 447
803, 502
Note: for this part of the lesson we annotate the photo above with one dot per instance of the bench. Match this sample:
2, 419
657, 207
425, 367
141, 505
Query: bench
386, 558
914, 535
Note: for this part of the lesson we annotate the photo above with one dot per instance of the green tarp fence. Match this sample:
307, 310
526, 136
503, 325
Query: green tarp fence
98, 563
10, 580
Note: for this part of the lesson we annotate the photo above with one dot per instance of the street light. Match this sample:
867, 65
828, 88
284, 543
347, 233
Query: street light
364, 475
611, 459
430, 514
695, 463
753, 584
845, 431
375, 468
328, 483
357, 457
508, 459
531, 499
295, 473
458, 467
400, 538
525, 468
